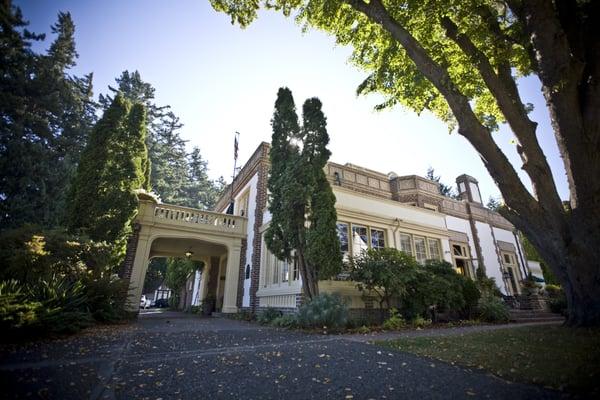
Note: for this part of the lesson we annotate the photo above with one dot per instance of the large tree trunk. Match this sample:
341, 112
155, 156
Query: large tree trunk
573, 254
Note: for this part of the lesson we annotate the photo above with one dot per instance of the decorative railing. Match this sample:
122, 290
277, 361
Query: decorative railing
191, 217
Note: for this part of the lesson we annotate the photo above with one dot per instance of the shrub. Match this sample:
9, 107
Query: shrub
16, 312
325, 310
420, 322
285, 321
471, 295
268, 315
557, 301
105, 298
395, 321
492, 309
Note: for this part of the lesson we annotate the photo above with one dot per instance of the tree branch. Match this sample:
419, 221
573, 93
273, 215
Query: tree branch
503, 88
520, 200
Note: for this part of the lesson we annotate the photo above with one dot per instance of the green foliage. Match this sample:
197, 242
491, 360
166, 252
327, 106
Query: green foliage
396, 278
45, 117
177, 176
491, 309
178, 272
53, 282
114, 165
300, 192
420, 322
385, 273
155, 275
46, 307
285, 321
266, 316
557, 301
395, 321
30, 253
471, 295
323, 311
486, 285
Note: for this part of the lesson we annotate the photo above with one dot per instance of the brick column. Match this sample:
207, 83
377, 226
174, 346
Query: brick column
126, 266
261, 203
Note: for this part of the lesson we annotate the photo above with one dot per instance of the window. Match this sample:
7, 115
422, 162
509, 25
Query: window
510, 265
356, 238
295, 270
405, 244
242, 204
420, 249
285, 271
342, 232
360, 239
434, 249
275, 263
377, 239
462, 259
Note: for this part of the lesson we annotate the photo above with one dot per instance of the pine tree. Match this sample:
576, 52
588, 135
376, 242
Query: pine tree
114, 165
300, 193
45, 118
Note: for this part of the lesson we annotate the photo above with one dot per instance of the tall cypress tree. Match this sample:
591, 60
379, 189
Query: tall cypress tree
300, 193
323, 245
114, 164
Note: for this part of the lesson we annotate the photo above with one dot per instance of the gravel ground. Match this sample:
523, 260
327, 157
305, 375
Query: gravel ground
178, 356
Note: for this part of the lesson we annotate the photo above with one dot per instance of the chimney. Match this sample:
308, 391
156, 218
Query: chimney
468, 189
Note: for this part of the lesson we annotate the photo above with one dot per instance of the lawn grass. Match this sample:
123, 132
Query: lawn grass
553, 356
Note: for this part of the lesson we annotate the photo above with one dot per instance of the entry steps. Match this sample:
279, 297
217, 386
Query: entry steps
522, 316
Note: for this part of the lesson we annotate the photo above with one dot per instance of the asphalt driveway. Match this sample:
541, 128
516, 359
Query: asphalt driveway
166, 355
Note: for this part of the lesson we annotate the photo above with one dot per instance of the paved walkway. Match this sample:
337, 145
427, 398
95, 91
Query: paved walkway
178, 356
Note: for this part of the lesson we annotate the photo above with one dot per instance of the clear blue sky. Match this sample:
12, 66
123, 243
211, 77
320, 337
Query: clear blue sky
220, 79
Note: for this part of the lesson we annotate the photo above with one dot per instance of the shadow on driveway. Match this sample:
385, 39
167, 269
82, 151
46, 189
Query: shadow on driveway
174, 355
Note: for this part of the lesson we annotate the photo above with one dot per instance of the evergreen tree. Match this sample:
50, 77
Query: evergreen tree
176, 176
300, 193
45, 118
113, 166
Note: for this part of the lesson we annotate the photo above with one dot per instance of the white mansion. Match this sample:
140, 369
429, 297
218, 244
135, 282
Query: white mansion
374, 210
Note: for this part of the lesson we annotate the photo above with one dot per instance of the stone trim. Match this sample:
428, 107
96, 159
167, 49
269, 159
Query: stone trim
506, 246
478, 251
460, 237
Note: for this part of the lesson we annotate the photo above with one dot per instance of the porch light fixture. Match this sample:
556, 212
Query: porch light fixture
189, 254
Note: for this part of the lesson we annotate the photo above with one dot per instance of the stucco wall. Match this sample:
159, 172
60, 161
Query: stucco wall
490, 256
387, 208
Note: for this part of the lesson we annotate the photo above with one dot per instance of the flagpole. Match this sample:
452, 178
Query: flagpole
235, 156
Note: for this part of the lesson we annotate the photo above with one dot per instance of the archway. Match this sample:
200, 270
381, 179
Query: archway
172, 231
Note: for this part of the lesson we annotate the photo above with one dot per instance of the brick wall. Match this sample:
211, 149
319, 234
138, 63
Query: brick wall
261, 203
127, 265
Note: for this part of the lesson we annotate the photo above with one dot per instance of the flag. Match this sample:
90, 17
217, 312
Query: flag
235, 147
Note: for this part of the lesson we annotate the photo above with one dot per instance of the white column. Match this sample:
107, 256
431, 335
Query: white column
231, 278
195, 300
